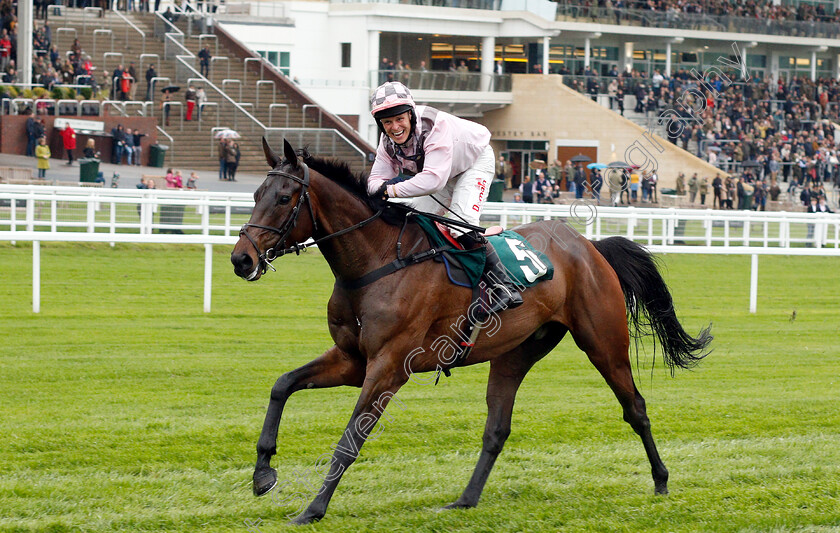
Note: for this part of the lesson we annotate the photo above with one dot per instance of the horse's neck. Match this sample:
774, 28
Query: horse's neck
357, 252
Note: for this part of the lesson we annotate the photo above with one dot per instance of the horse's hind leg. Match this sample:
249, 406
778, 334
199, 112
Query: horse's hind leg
332, 369
608, 349
506, 374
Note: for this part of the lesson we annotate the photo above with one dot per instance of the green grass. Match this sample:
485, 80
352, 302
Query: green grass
126, 408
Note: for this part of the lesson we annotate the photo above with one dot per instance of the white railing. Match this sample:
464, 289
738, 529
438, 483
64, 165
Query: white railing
33, 213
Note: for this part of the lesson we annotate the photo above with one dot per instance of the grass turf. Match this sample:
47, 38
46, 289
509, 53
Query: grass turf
126, 408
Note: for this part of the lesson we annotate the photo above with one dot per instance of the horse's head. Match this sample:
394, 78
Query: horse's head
274, 221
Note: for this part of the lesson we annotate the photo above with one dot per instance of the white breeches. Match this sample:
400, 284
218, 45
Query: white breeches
464, 194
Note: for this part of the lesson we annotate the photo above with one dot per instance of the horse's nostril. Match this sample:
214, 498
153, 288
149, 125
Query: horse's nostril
242, 263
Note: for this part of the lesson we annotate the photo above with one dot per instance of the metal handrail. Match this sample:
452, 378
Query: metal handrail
117, 104
102, 31
145, 56
167, 105
59, 31
229, 81
171, 141
68, 101
318, 132
201, 112
85, 12
271, 109
245, 67
106, 55
154, 82
221, 58
303, 109
131, 25
143, 106
273, 90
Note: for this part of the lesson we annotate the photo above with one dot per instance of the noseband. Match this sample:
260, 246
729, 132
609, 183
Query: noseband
272, 253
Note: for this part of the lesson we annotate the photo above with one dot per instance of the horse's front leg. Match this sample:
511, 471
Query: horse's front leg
383, 380
332, 369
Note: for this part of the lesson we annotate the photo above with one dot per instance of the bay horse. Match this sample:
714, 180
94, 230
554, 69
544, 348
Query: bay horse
387, 330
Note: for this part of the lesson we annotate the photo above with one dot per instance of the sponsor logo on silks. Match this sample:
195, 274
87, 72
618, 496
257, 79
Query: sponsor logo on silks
482, 188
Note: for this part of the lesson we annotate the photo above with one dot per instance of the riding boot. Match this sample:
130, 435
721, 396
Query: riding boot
504, 294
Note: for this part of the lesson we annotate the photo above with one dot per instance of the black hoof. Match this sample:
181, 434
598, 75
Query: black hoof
458, 505
265, 479
304, 519
661, 489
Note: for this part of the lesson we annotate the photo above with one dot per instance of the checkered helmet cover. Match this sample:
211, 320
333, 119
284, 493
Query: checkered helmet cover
390, 94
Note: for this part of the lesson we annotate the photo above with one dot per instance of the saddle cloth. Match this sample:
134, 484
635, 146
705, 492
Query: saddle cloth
524, 264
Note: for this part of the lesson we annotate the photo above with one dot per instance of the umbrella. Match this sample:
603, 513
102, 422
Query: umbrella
580, 158
226, 134
170, 89
618, 164
751, 164
714, 148
537, 163
599, 166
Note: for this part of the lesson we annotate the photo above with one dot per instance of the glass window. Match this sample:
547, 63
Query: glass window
345, 55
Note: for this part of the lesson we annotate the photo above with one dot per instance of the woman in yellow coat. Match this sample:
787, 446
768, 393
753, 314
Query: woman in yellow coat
42, 153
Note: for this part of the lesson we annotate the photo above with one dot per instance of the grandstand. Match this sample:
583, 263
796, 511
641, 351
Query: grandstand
707, 86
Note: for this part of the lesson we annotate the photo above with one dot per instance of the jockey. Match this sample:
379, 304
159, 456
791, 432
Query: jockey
441, 162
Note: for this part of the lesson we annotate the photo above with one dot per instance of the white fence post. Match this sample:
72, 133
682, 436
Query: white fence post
208, 275
36, 276
754, 283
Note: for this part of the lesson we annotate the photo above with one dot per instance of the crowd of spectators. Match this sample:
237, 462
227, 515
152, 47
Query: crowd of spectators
759, 9
778, 131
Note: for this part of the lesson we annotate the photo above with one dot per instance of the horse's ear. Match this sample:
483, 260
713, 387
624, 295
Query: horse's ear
290, 154
270, 157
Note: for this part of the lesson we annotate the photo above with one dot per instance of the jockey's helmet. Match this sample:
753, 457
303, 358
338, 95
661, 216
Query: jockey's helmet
391, 99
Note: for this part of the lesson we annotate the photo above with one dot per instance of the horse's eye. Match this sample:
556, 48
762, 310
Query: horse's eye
285, 199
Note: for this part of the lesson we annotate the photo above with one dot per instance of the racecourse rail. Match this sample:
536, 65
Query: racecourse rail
33, 213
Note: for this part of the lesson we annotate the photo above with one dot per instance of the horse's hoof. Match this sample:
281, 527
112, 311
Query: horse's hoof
458, 505
661, 489
265, 479
304, 519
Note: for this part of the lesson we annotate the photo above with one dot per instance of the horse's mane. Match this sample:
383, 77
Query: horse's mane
339, 172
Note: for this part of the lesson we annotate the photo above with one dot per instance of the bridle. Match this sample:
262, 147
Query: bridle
273, 253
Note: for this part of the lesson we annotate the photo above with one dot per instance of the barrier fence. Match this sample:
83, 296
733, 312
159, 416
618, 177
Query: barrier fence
31, 213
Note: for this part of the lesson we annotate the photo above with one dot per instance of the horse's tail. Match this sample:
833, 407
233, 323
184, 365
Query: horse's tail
650, 308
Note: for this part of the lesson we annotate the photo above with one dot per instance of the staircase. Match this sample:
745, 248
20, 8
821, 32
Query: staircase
193, 146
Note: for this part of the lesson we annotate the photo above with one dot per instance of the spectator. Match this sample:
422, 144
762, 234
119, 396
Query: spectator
42, 153
128, 146
526, 188
150, 74
132, 73
164, 106
89, 150
200, 100
204, 61
680, 184
190, 99
222, 159
232, 155
173, 179
191, 183
32, 136
68, 137
138, 150
693, 186
117, 144
704, 190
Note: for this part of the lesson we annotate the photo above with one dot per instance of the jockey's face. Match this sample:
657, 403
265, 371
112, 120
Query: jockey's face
398, 127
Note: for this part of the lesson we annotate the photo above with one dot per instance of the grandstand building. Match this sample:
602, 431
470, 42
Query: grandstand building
511, 50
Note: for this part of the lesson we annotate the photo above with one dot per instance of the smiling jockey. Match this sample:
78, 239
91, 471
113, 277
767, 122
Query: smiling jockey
425, 153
